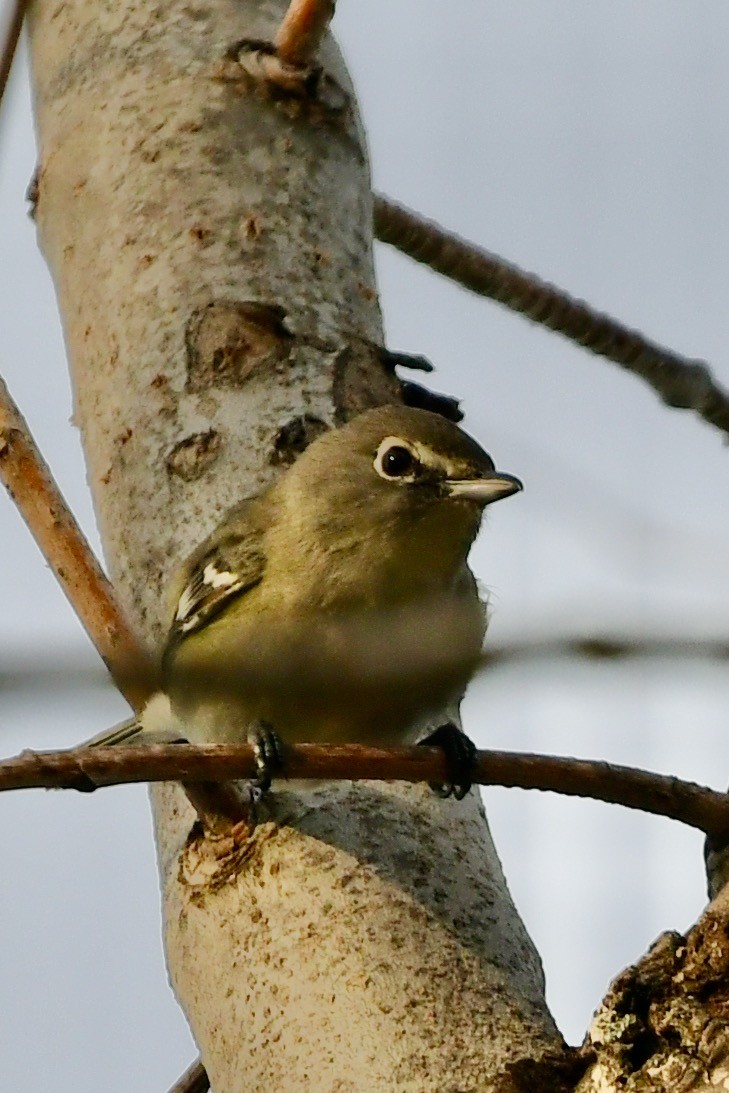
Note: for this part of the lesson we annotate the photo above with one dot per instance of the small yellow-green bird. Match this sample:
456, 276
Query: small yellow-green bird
337, 605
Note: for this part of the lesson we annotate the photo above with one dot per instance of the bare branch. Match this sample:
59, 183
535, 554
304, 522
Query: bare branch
194, 1080
604, 646
679, 381
30, 483
303, 26
10, 42
87, 769
47, 669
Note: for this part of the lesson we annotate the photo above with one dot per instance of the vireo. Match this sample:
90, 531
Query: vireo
337, 605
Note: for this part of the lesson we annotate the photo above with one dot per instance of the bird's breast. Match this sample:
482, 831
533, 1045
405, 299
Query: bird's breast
369, 675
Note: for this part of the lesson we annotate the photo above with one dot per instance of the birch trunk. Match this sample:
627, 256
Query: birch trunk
210, 242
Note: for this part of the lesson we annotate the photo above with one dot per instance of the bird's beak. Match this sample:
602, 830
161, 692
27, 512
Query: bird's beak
492, 487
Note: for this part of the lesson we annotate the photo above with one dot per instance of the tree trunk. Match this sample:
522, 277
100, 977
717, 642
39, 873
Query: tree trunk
209, 236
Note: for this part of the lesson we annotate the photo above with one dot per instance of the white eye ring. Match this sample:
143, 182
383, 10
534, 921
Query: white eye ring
396, 460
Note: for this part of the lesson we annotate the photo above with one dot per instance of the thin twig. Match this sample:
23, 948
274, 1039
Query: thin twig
303, 26
86, 769
10, 43
194, 1080
42, 670
605, 647
679, 381
30, 483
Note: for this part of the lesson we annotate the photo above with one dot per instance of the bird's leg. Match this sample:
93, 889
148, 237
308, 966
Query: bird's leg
460, 753
268, 754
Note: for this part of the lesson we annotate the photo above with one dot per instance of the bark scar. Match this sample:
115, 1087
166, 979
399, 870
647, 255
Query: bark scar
207, 864
192, 455
308, 85
294, 437
228, 341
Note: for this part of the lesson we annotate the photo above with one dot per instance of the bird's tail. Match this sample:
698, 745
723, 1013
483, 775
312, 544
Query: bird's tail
155, 725
126, 732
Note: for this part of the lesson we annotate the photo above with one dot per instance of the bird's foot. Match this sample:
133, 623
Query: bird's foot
460, 753
268, 755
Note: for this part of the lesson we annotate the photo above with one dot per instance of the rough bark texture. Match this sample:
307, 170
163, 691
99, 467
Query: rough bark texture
664, 1023
209, 234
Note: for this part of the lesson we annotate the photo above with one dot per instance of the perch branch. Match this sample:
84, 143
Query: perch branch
680, 382
86, 769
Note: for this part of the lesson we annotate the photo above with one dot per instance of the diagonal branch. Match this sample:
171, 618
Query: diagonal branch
86, 769
194, 1080
10, 42
30, 483
679, 381
303, 26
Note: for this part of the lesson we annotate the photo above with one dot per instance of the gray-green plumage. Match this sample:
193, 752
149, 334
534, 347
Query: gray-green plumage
337, 605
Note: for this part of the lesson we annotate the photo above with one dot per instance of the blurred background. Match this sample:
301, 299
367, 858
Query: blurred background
586, 142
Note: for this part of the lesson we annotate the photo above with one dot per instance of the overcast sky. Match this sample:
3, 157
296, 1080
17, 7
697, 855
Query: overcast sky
587, 142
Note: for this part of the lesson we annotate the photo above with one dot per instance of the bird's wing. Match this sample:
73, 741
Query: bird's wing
228, 563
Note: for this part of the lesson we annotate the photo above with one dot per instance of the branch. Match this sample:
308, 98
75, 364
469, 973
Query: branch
194, 1080
10, 43
301, 31
87, 769
680, 382
44, 670
30, 483
40, 502
604, 646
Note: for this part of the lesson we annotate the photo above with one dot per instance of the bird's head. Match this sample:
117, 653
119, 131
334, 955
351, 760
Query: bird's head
398, 472
429, 458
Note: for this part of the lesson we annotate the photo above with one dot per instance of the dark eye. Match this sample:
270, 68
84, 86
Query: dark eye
397, 461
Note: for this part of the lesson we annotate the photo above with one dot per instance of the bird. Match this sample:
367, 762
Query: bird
337, 605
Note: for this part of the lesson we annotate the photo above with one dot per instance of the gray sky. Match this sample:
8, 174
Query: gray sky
584, 141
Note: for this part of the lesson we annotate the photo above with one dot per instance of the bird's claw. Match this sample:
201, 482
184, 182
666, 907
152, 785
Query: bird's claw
460, 753
268, 755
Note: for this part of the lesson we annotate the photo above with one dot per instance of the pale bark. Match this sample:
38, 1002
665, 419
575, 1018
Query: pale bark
364, 938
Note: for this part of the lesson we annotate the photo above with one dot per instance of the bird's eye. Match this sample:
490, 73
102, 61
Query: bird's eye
396, 461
